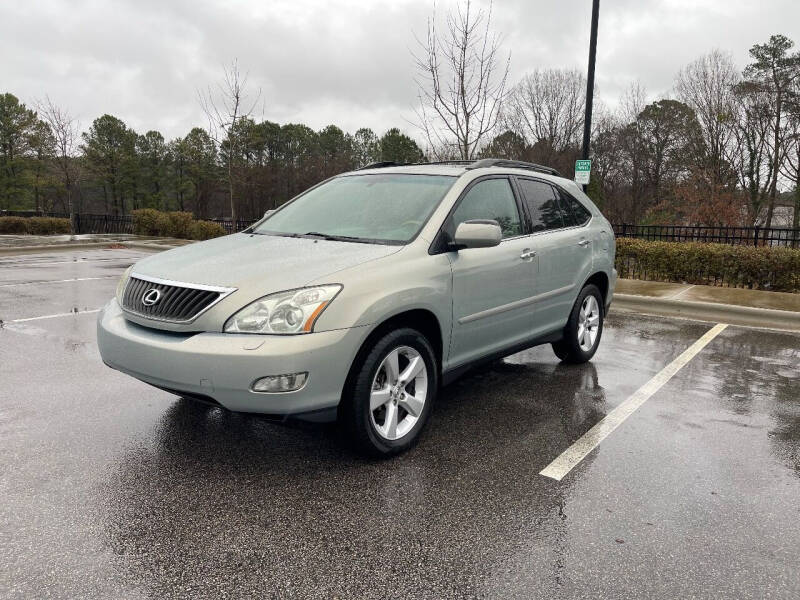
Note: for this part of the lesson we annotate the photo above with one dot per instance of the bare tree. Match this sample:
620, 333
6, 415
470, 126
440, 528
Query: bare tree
225, 109
65, 131
547, 109
750, 153
462, 82
707, 86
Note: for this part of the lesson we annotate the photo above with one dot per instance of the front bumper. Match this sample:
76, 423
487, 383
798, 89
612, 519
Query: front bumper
222, 366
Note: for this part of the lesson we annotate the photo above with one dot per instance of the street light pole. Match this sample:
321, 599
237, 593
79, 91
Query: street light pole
587, 121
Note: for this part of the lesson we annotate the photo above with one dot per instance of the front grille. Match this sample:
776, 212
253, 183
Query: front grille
175, 302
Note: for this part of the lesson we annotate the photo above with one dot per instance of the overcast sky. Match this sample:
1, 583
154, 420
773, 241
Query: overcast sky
338, 61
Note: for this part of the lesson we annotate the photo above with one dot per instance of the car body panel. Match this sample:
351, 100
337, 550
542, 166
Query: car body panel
492, 293
563, 267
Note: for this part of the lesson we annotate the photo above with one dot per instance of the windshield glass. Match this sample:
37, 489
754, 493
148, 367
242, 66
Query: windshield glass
378, 208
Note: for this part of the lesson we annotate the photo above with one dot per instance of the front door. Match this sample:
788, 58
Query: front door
492, 287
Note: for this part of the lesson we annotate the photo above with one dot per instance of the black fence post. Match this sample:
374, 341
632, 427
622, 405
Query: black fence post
755, 235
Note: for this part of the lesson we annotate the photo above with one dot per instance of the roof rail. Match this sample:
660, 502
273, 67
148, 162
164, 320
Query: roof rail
455, 161
512, 164
380, 164
391, 163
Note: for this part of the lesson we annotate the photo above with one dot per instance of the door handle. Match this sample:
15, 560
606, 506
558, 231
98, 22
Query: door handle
527, 253
584, 243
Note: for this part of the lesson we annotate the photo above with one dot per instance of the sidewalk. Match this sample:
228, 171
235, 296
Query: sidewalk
754, 308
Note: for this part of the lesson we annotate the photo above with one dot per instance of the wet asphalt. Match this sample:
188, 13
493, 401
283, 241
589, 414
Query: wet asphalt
112, 489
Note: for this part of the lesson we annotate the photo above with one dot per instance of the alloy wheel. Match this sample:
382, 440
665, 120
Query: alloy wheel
398, 393
588, 323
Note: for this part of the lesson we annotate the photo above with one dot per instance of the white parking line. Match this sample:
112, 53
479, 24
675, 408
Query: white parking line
68, 314
682, 292
44, 282
592, 438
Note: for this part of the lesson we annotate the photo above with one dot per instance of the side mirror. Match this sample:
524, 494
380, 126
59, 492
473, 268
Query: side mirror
268, 213
478, 234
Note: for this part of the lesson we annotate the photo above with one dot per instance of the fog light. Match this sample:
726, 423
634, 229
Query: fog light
280, 383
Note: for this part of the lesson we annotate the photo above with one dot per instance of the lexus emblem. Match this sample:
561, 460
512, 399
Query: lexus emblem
151, 297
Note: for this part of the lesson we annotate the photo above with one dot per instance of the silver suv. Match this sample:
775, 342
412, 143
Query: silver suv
360, 297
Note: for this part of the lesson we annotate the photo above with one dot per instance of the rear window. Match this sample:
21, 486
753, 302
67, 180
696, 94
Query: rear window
578, 213
542, 204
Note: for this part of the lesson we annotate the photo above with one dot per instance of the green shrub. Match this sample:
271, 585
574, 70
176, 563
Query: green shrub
762, 267
47, 225
13, 225
149, 221
205, 230
178, 224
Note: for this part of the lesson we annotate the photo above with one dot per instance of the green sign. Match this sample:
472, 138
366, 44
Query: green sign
582, 170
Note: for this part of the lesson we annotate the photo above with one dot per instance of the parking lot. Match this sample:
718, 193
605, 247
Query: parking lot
112, 489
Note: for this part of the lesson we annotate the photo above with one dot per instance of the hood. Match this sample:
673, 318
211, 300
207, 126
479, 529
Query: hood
273, 263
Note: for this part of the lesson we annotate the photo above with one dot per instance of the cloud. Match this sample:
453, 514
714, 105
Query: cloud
337, 61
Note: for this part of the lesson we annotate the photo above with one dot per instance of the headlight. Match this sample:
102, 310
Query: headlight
122, 282
292, 311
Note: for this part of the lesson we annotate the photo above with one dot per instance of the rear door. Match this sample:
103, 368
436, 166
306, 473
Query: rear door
492, 287
579, 240
562, 248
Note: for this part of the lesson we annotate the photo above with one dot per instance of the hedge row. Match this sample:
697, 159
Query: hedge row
148, 221
762, 267
33, 225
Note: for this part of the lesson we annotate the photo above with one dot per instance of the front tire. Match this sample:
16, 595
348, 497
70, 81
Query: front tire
392, 389
584, 328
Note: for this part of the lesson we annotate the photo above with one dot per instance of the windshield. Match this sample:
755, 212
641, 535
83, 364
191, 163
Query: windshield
376, 208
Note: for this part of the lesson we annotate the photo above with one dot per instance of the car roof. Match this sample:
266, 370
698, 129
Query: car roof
457, 169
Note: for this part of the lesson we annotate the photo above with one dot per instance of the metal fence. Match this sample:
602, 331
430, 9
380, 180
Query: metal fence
231, 227
748, 236
90, 223
103, 223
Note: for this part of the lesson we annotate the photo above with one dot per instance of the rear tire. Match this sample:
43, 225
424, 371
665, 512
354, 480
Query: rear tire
391, 390
584, 328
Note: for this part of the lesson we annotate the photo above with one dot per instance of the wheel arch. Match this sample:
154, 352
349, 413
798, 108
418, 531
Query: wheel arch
600, 279
421, 319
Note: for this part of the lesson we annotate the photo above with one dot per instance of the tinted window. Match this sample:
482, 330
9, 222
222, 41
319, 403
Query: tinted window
579, 214
490, 199
542, 204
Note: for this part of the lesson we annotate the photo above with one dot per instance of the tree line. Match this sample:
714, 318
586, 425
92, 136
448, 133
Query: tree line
722, 148
112, 169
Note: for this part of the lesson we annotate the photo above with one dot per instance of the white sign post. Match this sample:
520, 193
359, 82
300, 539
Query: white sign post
582, 170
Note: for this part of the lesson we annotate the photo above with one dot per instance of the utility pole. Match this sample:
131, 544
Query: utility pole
587, 121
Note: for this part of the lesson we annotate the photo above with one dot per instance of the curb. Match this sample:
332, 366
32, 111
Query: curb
53, 248
732, 314
152, 247
104, 245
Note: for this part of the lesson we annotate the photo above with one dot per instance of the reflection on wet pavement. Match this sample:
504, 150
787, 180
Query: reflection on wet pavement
115, 489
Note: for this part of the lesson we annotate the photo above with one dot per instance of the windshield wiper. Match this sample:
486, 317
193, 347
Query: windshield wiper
330, 237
